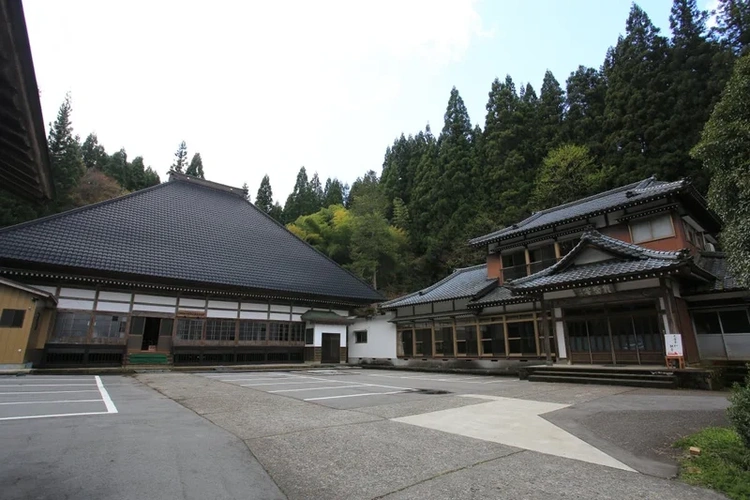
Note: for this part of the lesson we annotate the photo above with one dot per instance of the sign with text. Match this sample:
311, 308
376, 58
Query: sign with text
673, 342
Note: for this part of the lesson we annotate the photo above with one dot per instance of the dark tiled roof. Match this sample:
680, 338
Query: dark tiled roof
638, 192
187, 231
716, 264
463, 283
595, 271
500, 295
638, 260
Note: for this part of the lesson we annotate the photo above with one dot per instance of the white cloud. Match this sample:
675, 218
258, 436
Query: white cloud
256, 87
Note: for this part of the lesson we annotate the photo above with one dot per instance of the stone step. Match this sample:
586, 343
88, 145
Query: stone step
655, 383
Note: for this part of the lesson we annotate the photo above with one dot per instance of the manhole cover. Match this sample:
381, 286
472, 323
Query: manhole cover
430, 391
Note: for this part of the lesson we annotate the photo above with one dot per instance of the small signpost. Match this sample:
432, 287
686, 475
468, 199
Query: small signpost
673, 344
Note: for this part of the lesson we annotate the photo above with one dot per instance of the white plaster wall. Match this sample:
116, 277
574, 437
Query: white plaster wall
321, 328
381, 338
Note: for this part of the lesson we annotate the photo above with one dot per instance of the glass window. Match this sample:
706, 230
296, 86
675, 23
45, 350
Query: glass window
424, 342
220, 329
12, 318
493, 339
109, 327
297, 332
599, 335
310, 336
707, 323
578, 336
444, 339
360, 337
521, 337
189, 329
253, 331
735, 321
71, 325
466, 340
652, 229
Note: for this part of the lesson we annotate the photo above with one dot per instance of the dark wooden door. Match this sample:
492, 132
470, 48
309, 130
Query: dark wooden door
330, 348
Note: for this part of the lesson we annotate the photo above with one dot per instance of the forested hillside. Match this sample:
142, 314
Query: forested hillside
638, 114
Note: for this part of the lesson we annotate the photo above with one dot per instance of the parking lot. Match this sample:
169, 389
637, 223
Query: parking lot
33, 397
341, 434
358, 388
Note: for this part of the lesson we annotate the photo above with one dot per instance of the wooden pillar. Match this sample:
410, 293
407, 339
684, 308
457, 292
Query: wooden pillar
546, 332
528, 260
557, 251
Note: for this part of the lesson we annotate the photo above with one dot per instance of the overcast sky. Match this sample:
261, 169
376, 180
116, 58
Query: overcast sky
266, 87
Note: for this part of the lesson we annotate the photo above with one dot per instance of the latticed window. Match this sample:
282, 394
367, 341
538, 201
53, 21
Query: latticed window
297, 332
220, 329
107, 326
253, 331
189, 329
71, 325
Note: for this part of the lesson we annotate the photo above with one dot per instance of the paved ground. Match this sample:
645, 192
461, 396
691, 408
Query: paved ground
57, 444
351, 434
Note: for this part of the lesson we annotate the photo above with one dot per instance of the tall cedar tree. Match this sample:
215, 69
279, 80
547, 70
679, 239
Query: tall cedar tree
264, 198
637, 107
585, 101
698, 70
93, 153
246, 192
180, 158
196, 167
66, 162
551, 109
723, 150
733, 24
316, 192
303, 200
452, 199
333, 193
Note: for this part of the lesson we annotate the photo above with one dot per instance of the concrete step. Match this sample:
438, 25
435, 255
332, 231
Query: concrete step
662, 383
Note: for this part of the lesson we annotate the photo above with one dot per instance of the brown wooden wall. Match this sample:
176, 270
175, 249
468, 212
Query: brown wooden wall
20, 345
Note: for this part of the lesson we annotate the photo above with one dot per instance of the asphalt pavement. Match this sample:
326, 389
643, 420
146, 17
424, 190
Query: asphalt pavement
341, 434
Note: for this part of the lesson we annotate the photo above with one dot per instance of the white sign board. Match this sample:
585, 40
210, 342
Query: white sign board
673, 342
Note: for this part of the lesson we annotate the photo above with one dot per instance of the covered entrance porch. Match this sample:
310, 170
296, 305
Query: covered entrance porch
615, 334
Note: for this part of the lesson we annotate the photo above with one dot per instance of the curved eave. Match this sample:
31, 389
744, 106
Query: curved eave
478, 242
665, 271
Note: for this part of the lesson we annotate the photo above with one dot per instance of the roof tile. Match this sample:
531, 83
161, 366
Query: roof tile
182, 231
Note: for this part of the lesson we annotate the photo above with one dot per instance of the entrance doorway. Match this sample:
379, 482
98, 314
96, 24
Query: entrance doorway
330, 352
146, 332
618, 334
150, 333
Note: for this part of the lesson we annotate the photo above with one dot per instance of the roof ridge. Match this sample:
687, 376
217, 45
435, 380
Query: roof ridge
538, 214
83, 208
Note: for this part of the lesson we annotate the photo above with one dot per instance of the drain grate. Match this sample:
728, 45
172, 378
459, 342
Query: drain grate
430, 391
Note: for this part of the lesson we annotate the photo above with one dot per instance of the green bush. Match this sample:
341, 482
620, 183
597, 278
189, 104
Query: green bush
739, 410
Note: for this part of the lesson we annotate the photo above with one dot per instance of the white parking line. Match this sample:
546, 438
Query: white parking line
252, 379
316, 388
111, 408
48, 385
48, 402
46, 392
354, 395
349, 382
278, 383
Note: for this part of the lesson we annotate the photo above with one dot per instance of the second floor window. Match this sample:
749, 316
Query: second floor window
652, 229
